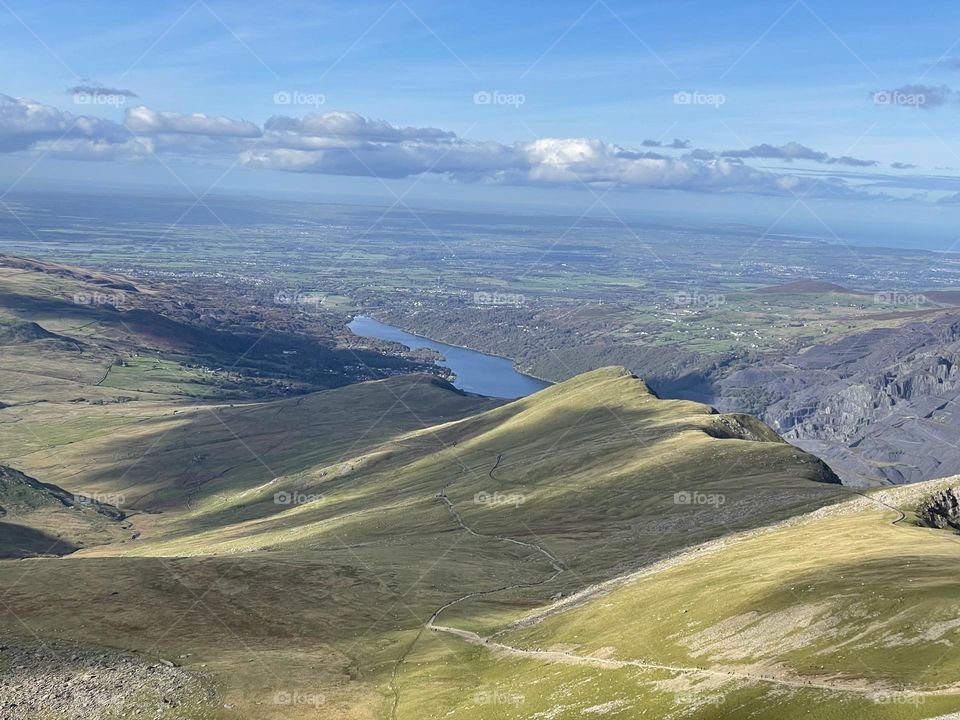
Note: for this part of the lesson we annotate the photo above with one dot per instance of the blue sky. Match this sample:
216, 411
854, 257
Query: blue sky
513, 86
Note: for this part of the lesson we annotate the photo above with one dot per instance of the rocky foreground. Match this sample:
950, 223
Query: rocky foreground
69, 681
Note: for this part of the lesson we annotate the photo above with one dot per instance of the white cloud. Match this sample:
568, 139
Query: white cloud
795, 151
358, 146
351, 126
144, 121
347, 143
85, 149
24, 122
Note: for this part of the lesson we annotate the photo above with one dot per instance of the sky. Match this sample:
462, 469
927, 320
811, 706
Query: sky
843, 115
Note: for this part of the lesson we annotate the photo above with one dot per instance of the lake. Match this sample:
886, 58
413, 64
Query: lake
476, 372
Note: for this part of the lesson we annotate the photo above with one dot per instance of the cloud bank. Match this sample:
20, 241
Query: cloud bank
347, 143
795, 151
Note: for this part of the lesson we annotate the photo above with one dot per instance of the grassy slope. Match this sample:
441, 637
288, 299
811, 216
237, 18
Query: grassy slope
843, 598
592, 464
596, 456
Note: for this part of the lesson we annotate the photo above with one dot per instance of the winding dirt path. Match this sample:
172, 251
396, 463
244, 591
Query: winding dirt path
554, 563
901, 516
430, 624
495, 466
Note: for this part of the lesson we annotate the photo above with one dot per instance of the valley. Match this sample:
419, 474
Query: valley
696, 311
398, 548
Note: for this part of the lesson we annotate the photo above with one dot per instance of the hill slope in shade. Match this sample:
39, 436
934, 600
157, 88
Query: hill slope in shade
43, 519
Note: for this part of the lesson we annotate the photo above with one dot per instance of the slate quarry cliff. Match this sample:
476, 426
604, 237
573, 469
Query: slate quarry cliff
879, 407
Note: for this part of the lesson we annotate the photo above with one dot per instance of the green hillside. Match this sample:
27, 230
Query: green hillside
844, 610
324, 542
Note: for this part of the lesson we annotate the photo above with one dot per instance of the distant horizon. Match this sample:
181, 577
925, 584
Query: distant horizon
881, 233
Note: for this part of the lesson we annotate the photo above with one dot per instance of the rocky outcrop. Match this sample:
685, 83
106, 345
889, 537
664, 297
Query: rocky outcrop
21, 493
82, 682
940, 510
879, 407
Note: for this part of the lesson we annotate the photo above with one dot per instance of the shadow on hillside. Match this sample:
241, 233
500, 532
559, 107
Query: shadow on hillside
18, 541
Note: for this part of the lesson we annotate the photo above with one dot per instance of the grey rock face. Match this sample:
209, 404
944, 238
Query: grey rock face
941, 510
879, 407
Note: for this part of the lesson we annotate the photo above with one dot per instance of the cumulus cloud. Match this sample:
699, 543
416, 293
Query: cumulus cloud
350, 144
574, 161
795, 151
144, 121
903, 166
347, 143
103, 150
851, 161
640, 155
352, 126
790, 151
24, 123
701, 154
28, 125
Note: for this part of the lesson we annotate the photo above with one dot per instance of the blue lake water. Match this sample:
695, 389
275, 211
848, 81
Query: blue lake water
476, 372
